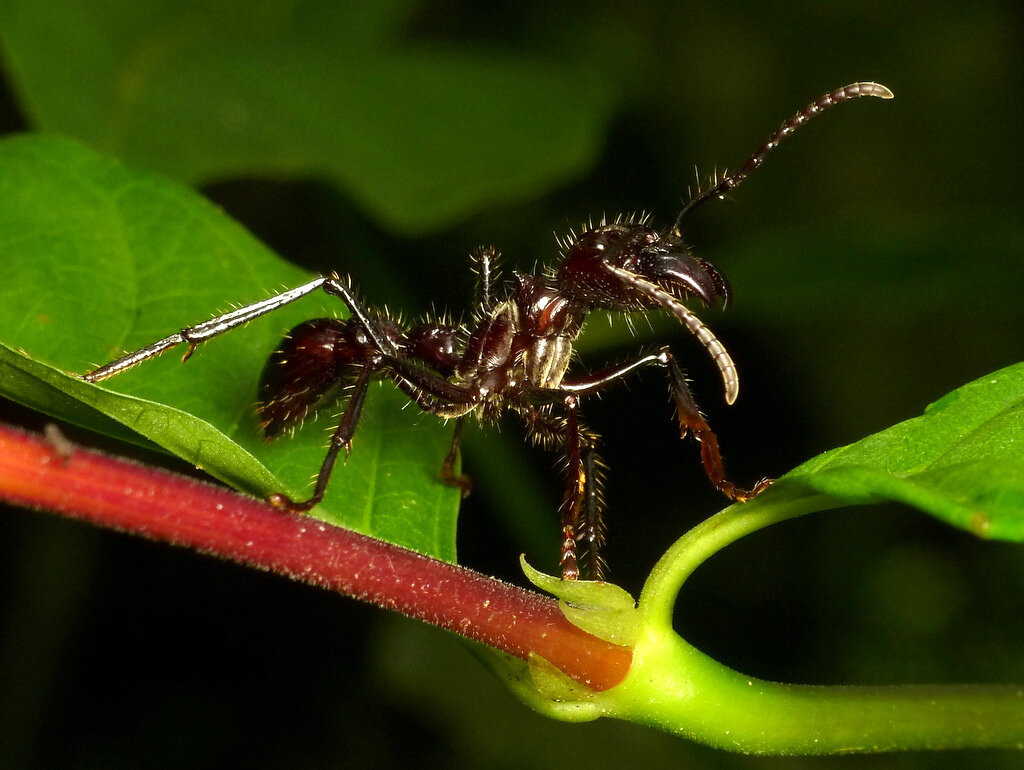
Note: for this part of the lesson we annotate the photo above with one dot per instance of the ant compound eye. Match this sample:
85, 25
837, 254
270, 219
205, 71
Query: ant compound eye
599, 241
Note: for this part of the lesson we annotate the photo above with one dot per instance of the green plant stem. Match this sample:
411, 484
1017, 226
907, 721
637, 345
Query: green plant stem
125, 496
676, 687
707, 538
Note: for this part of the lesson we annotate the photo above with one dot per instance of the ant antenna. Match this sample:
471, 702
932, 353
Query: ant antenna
813, 109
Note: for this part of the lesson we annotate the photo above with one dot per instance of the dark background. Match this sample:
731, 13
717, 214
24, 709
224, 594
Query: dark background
876, 265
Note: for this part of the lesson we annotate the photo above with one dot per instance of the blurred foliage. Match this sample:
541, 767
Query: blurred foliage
203, 91
875, 262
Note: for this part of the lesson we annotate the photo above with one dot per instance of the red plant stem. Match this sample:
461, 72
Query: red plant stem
119, 494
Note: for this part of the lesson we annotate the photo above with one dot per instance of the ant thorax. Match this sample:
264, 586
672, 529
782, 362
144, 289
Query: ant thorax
549, 323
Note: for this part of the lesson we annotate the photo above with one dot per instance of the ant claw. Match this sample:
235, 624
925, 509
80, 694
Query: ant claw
284, 503
462, 481
746, 495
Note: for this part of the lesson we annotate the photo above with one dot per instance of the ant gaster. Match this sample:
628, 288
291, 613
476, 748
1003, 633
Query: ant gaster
514, 355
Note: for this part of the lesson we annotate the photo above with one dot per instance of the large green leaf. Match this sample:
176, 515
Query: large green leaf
96, 258
961, 461
418, 134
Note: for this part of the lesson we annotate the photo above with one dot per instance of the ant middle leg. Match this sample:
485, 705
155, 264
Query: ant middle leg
437, 395
485, 261
582, 505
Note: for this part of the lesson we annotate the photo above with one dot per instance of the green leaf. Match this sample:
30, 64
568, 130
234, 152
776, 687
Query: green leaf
961, 461
97, 259
600, 608
420, 135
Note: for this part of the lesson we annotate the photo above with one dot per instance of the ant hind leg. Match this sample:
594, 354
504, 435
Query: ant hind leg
341, 439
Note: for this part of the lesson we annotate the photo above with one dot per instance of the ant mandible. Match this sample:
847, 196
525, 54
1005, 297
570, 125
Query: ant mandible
514, 355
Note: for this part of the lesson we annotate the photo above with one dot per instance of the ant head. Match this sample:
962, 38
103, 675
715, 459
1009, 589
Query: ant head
628, 266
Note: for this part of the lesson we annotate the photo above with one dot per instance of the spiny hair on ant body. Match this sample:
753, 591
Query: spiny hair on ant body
566, 242
515, 353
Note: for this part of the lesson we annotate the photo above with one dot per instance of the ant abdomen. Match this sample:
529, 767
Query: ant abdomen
314, 362
301, 372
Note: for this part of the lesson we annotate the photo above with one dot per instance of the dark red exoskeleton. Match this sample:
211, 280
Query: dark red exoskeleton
515, 354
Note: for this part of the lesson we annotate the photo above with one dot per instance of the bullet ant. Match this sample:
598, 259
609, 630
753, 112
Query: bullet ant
515, 353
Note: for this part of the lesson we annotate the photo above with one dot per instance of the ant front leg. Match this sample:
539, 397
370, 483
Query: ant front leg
692, 421
581, 506
689, 416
